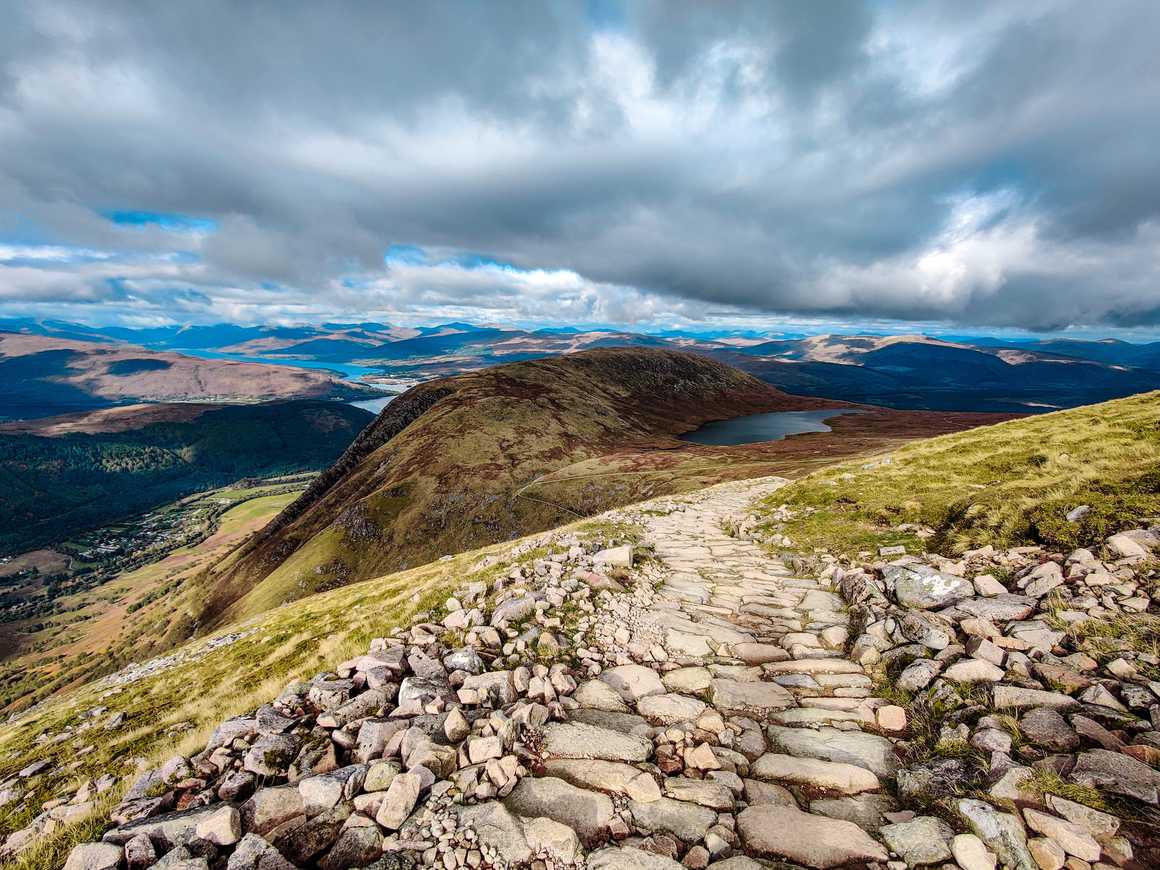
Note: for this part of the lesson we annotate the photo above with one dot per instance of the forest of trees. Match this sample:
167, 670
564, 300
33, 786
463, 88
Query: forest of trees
51, 488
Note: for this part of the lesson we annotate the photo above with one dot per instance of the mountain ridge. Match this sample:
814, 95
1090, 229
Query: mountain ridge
471, 442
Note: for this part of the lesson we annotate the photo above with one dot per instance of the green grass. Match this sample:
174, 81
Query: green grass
1050, 782
1007, 484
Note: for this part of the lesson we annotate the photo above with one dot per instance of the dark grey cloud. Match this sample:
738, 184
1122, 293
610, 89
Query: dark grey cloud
984, 164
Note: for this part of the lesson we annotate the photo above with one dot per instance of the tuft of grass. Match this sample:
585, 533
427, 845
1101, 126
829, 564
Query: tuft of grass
51, 850
1007, 484
1050, 782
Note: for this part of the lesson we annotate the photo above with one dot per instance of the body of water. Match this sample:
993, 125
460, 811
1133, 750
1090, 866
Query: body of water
374, 405
763, 427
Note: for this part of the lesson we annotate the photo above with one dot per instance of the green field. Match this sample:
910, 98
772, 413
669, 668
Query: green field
1012, 483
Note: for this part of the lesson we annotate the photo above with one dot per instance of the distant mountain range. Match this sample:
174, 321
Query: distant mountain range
43, 375
901, 371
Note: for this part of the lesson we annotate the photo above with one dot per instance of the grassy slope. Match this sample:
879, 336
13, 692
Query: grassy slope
1006, 484
138, 614
175, 710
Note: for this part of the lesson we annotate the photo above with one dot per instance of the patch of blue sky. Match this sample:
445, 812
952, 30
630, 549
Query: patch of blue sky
482, 261
605, 14
17, 229
170, 221
405, 255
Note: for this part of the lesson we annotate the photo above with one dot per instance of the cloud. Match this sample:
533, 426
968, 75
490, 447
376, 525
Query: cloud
637, 162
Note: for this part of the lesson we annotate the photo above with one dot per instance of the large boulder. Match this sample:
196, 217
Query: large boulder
633, 682
923, 588
587, 813
868, 751
497, 827
688, 821
786, 833
1119, 774
758, 700
577, 740
93, 856
613, 777
1003, 833
813, 773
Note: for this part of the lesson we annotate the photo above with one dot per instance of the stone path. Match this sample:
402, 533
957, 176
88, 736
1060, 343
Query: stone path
790, 748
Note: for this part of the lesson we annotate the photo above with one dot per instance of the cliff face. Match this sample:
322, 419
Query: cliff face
441, 469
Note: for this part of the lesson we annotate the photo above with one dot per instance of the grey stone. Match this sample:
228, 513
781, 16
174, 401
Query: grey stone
270, 808
93, 856
633, 682
1119, 774
466, 660
1002, 833
301, 844
1006, 697
513, 610
779, 832
420, 690
864, 810
545, 835
495, 688
997, 608
918, 675
704, 792
400, 798
222, 827
670, 709
629, 858
323, 792
924, 588
497, 827
828, 775
924, 840
139, 852
688, 821
255, 853
577, 740
687, 680
735, 698
271, 755
165, 831
598, 695
870, 751
355, 847
587, 813
608, 776
1047, 729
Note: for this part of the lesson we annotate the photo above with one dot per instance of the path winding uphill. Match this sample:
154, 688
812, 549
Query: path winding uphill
793, 734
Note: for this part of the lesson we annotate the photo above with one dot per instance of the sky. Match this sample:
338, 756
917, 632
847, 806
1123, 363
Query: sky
663, 163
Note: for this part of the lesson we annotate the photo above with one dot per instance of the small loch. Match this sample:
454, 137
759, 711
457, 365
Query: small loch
763, 427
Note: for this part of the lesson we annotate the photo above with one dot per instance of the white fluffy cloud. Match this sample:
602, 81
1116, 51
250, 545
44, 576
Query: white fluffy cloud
640, 163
